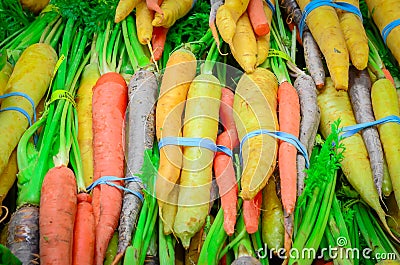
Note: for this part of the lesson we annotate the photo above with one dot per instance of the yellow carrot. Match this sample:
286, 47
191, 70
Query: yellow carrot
7, 178
5, 74
324, 25
227, 16
144, 16
180, 71
335, 105
255, 108
384, 12
124, 8
385, 103
36, 63
173, 10
201, 121
244, 44
90, 76
355, 36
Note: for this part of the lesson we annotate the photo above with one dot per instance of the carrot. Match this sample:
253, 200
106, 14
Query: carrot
272, 228
388, 75
84, 109
215, 4
201, 120
35, 6
257, 17
387, 187
355, 36
5, 74
173, 10
360, 96
57, 216
168, 211
331, 41
309, 122
244, 45
144, 16
7, 178
109, 104
384, 12
140, 114
251, 213
384, 106
155, 6
158, 41
289, 121
227, 16
263, 42
84, 231
23, 234
179, 73
336, 105
124, 8
223, 165
13, 123
313, 56
255, 108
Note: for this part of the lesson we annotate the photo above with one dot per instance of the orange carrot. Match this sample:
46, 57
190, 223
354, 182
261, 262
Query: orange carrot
215, 4
251, 213
57, 215
223, 166
257, 17
84, 231
155, 6
109, 104
289, 122
158, 41
388, 75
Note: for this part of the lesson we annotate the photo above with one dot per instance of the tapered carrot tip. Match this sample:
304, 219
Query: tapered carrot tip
262, 30
229, 221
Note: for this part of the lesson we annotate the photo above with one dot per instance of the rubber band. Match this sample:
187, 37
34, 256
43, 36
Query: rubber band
270, 5
108, 180
62, 94
353, 129
287, 137
194, 142
388, 28
315, 4
21, 94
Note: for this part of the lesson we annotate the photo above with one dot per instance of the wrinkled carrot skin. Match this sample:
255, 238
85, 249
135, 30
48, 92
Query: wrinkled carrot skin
257, 17
223, 165
289, 122
84, 231
110, 96
158, 41
57, 212
251, 213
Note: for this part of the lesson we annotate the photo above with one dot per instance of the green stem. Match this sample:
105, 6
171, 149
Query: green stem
149, 233
165, 251
55, 40
211, 59
129, 48
50, 29
141, 57
112, 43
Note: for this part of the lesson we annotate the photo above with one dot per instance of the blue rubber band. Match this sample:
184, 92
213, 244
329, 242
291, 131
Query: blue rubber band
287, 137
194, 142
318, 3
353, 129
107, 180
22, 111
270, 5
20, 94
388, 28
